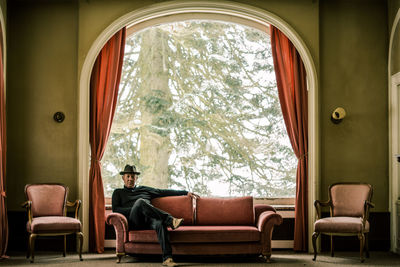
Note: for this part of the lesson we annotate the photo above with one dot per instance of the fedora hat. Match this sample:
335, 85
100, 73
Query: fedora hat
129, 169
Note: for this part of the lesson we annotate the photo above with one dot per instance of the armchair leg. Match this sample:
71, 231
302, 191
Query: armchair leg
314, 243
119, 256
332, 247
362, 242
32, 238
80, 235
366, 245
28, 250
65, 246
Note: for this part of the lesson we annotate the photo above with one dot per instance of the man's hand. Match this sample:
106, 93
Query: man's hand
193, 195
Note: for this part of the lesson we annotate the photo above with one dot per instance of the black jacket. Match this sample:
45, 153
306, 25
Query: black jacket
124, 198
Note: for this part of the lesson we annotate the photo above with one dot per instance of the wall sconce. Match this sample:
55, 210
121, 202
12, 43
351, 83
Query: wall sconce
59, 116
337, 115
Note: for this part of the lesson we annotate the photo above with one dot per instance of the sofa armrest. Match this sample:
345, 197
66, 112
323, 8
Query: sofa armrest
265, 224
120, 224
260, 208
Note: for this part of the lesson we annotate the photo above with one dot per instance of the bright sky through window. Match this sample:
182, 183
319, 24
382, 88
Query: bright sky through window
198, 109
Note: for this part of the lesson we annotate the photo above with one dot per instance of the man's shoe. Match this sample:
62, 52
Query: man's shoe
169, 262
176, 223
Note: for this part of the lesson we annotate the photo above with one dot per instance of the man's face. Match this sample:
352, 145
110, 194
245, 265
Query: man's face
129, 180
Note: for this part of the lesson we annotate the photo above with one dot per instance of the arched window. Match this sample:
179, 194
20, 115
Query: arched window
198, 109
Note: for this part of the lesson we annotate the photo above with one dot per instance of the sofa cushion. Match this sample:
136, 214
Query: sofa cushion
177, 206
200, 234
225, 211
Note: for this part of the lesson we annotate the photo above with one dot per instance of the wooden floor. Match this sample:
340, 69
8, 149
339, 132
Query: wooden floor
279, 259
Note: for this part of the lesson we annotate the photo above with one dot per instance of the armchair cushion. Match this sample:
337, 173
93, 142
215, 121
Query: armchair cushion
341, 225
47, 199
53, 224
349, 199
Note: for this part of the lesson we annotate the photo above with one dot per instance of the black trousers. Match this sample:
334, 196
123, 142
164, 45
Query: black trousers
143, 215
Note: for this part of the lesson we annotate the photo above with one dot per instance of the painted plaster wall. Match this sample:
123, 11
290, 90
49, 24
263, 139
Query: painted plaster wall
45, 60
393, 7
42, 60
353, 45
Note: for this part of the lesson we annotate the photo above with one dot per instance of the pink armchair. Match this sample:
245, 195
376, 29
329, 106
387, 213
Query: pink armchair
349, 205
47, 207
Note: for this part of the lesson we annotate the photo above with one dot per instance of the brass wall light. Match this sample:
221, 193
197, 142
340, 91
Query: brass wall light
337, 115
59, 116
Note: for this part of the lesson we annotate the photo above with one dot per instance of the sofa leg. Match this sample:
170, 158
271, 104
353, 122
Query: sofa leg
119, 256
267, 257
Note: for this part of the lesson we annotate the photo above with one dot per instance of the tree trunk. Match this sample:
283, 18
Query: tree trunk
155, 99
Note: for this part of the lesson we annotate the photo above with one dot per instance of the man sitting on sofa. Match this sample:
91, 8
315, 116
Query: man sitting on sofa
134, 203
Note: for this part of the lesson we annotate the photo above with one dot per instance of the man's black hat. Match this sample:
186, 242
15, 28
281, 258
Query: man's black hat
129, 169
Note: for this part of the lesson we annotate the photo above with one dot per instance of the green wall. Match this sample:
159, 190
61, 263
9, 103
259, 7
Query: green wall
42, 78
49, 40
354, 76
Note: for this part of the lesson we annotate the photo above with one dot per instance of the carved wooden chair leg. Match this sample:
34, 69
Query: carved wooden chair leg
28, 251
314, 242
362, 242
32, 238
80, 235
65, 245
119, 256
332, 247
366, 245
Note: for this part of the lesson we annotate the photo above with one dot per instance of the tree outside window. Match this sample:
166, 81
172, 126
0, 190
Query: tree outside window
198, 109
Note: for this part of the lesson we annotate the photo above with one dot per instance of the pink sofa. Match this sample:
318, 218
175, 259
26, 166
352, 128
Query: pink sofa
212, 226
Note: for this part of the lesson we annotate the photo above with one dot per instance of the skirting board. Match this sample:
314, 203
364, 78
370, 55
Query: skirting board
109, 243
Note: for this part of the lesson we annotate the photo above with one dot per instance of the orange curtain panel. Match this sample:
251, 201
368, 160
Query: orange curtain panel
104, 85
292, 87
3, 204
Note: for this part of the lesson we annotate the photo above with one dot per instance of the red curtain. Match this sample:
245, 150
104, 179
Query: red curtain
104, 85
3, 206
292, 87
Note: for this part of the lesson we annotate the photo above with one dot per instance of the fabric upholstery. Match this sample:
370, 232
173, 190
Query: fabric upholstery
341, 225
120, 224
177, 206
291, 81
3, 153
53, 224
232, 229
349, 199
247, 248
47, 199
104, 83
225, 211
201, 234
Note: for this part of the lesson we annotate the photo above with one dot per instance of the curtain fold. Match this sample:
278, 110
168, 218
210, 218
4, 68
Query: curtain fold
104, 84
3, 204
292, 87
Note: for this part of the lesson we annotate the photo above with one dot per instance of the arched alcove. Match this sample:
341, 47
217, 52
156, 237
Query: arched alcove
394, 134
152, 15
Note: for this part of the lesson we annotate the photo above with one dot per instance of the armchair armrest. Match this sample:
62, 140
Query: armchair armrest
318, 204
367, 206
28, 205
265, 224
76, 204
120, 224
